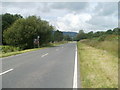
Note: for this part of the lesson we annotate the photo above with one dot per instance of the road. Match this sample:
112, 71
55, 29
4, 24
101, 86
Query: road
46, 68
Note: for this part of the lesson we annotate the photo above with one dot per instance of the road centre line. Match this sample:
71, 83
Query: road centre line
75, 71
57, 49
44, 55
6, 71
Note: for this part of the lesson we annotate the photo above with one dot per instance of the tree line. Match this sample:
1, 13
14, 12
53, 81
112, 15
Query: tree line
21, 32
82, 35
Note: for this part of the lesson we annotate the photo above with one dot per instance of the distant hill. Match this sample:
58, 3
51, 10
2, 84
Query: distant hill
71, 34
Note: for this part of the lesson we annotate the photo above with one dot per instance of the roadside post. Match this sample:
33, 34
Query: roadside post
34, 42
38, 37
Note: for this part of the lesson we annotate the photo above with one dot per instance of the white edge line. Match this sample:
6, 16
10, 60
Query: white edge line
75, 71
6, 71
44, 55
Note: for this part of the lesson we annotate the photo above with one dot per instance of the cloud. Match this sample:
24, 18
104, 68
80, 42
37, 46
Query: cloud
105, 16
106, 8
72, 22
69, 16
71, 6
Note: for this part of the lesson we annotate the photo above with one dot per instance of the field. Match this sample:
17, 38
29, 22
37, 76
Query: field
98, 63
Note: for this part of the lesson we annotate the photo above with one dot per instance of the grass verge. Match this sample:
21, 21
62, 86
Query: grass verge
17, 52
28, 50
98, 68
109, 46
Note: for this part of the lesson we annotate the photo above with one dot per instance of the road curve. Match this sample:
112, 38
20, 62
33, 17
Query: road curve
46, 68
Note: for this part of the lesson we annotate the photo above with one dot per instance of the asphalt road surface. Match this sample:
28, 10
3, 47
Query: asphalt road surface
46, 68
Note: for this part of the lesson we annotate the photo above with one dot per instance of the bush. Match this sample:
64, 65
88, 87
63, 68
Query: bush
102, 38
6, 49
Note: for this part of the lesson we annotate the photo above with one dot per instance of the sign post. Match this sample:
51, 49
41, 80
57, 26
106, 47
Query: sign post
38, 40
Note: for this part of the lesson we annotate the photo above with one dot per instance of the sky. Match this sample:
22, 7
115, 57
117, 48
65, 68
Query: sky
69, 16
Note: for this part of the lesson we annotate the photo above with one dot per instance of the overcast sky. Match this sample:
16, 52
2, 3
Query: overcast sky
69, 16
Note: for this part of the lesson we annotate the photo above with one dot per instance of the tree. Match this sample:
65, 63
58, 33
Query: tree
67, 38
81, 35
109, 31
25, 30
90, 35
58, 36
7, 21
116, 31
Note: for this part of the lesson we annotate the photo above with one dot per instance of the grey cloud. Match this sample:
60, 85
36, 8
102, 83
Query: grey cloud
18, 5
106, 8
103, 22
75, 6
103, 15
23, 6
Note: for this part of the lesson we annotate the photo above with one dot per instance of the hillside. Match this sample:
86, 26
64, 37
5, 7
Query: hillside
71, 34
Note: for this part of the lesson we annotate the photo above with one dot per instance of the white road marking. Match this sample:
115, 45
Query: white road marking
44, 55
6, 71
57, 49
75, 71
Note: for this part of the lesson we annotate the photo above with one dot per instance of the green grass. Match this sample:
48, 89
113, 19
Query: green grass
10, 50
98, 68
110, 45
17, 52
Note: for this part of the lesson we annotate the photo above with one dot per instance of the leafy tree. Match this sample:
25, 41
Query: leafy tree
58, 36
7, 21
24, 31
90, 35
81, 35
109, 31
67, 38
116, 31
98, 34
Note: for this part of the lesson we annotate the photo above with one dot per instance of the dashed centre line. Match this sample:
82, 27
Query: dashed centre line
6, 71
57, 49
44, 55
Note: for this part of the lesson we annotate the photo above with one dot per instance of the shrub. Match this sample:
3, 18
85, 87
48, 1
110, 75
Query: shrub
6, 49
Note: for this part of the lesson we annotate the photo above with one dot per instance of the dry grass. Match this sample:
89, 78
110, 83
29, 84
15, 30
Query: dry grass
109, 46
99, 69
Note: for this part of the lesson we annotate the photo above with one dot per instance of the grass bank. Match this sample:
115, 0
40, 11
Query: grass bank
108, 43
6, 51
98, 67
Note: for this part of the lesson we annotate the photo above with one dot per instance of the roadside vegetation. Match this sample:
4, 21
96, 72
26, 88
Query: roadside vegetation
10, 50
109, 44
98, 58
98, 51
98, 68
21, 34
